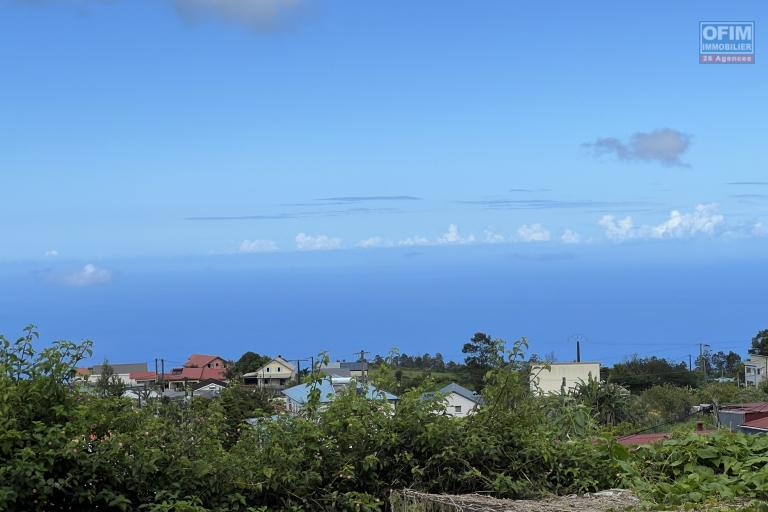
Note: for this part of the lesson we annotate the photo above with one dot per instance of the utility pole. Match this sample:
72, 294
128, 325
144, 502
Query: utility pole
162, 374
690, 366
703, 347
364, 365
578, 351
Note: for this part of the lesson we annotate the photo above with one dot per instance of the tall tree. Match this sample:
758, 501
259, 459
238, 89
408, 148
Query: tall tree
248, 362
639, 373
483, 351
760, 343
482, 354
109, 384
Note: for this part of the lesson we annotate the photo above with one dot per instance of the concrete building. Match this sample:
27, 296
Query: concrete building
357, 369
561, 376
458, 400
755, 370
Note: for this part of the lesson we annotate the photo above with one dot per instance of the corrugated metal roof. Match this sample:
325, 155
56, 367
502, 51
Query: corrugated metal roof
747, 407
761, 423
461, 391
301, 392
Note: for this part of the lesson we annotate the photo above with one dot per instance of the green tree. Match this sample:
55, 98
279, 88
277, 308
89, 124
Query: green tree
109, 384
248, 362
666, 403
760, 343
482, 354
610, 404
639, 373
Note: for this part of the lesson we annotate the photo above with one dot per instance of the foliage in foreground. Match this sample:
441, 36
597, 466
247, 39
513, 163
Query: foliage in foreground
66, 451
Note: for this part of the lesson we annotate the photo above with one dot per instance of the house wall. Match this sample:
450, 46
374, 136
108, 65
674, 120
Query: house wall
275, 374
731, 419
124, 377
755, 370
453, 400
550, 381
217, 363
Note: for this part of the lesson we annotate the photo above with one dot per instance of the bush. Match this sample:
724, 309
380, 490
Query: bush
63, 450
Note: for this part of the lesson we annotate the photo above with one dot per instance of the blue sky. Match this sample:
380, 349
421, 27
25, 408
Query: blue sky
155, 137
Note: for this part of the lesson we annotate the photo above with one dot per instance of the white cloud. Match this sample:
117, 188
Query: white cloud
491, 237
375, 241
759, 229
306, 242
570, 237
52, 253
452, 236
704, 220
414, 240
250, 246
89, 275
255, 14
623, 229
533, 233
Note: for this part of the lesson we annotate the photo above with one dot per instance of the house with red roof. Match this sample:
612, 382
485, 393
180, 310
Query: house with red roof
198, 368
205, 361
750, 418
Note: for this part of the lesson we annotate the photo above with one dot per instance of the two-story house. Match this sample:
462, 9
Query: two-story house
755, 370
276, 374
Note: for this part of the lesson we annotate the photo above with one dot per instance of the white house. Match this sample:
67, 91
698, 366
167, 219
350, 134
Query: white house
277, 374
122, 371
755, 370
561, 376
458, 400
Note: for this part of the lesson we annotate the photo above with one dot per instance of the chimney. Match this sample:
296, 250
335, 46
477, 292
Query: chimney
699, 426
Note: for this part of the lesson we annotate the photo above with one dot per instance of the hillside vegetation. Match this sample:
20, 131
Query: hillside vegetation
63, 449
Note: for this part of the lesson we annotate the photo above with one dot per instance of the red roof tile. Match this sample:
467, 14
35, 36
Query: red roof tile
200, 360
142, 375
196, 374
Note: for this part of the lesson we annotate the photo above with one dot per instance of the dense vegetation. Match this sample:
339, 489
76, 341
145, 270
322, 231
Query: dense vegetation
63, 449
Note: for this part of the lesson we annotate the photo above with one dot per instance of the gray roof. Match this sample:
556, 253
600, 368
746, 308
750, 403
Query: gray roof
459, 390
354, 366
121, 368
337, 372
205, 382
300, 393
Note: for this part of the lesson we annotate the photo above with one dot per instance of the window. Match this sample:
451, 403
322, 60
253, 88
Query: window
278, 368
267, 369
457, 408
